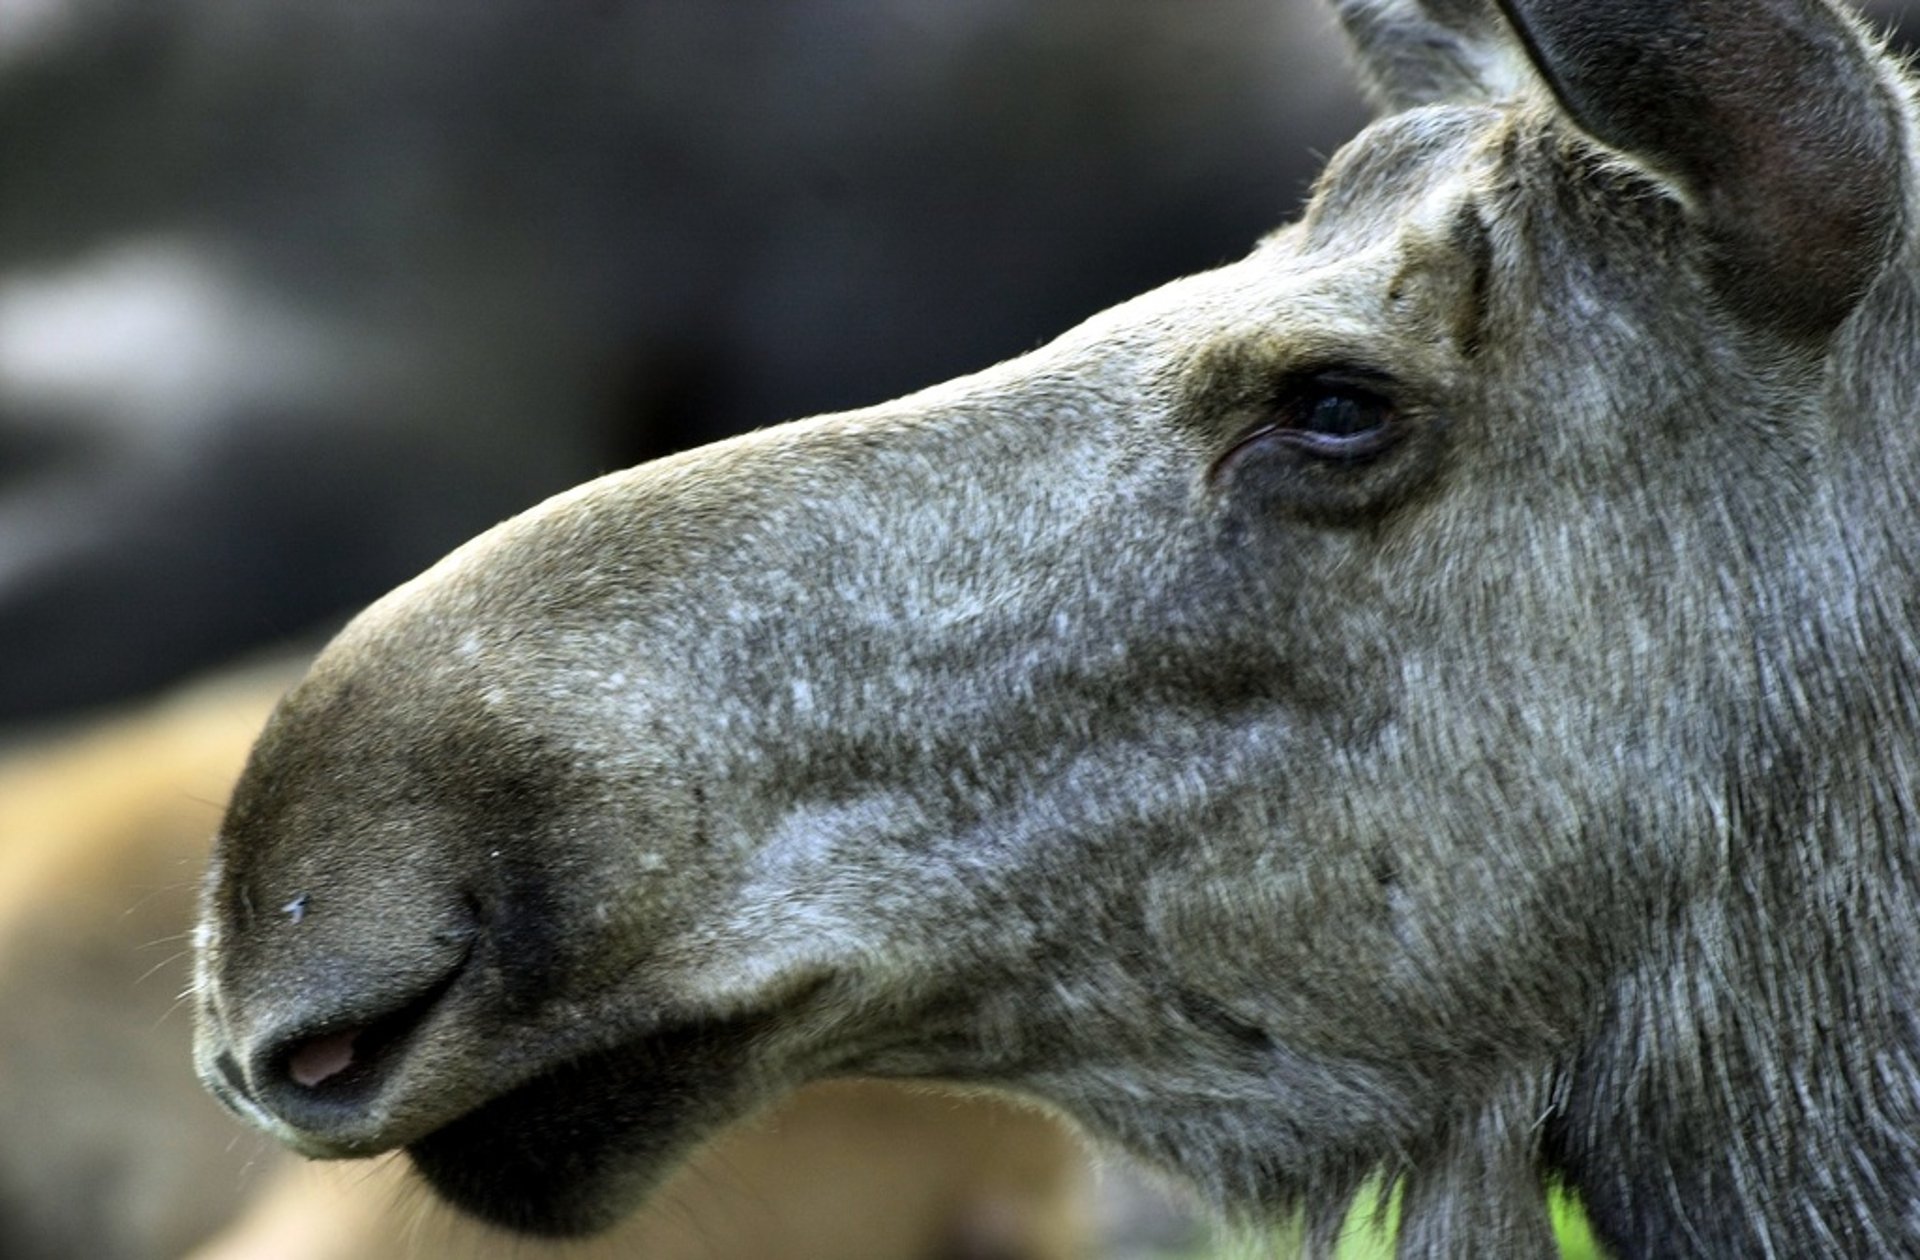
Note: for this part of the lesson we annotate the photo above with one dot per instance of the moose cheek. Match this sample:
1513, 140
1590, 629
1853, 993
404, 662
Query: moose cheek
1339, 479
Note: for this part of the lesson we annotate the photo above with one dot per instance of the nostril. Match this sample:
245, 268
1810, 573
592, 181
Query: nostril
326, 1068
342, 1064
322, 1058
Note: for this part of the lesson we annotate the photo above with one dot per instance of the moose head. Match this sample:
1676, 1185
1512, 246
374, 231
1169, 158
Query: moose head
1437, 699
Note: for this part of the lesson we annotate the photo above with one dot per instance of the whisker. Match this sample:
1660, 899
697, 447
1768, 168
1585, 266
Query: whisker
162, 965
173, 1009
158, 890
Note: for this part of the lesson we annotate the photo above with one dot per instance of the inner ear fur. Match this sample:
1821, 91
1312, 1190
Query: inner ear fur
1428, 52
1768, 117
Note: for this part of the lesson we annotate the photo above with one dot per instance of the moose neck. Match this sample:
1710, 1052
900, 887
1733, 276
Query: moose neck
1750, 1088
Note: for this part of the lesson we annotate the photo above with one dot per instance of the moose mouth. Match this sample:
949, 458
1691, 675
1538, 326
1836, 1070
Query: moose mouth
574, 1149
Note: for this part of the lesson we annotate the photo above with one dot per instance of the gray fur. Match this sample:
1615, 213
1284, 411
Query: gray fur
1424, 52
1530, 796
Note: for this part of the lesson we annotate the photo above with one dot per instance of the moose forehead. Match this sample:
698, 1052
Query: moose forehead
1387, 270
1425, 158
1513, 185
1454, 246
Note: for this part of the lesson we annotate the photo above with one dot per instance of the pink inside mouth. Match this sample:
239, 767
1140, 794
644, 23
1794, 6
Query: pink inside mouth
322, 1058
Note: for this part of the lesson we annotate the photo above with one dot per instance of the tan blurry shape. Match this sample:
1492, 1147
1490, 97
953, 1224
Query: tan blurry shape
853, 1169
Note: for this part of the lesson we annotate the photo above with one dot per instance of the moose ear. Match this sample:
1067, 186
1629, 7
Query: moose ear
1425, 52
1766, 116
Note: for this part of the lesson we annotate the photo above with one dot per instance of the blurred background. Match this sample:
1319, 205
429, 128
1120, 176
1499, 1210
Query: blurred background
297, 294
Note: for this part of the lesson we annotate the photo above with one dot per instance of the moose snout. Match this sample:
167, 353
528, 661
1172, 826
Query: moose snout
332, 1062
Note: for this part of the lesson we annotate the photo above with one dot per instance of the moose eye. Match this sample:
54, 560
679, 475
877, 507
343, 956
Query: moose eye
1329, 417
1336, 445
1334, 420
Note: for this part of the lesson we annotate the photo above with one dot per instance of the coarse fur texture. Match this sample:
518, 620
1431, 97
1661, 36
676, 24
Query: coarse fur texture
1435, 698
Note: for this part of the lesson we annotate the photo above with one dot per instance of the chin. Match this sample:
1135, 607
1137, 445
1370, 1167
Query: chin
580, 1146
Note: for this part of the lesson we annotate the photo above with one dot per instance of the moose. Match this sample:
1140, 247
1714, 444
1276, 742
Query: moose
1435, 701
